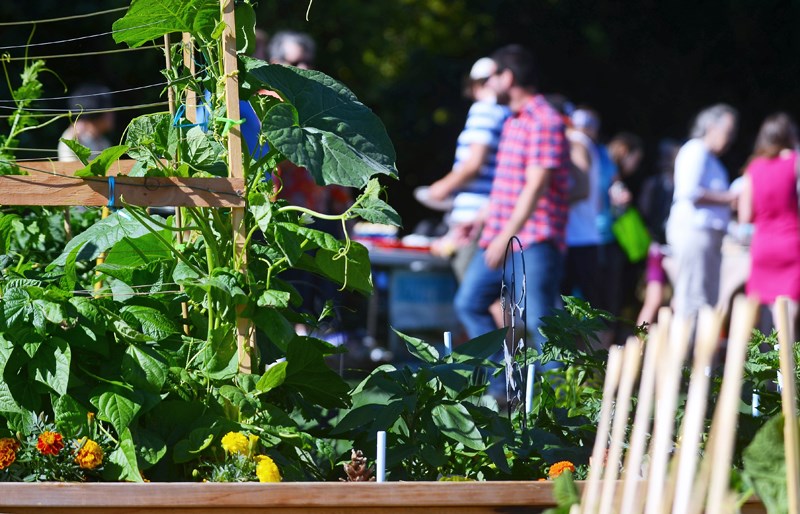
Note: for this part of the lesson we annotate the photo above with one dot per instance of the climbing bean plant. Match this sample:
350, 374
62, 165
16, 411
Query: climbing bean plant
110, 339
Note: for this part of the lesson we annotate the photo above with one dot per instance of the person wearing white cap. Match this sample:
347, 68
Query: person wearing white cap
470, 180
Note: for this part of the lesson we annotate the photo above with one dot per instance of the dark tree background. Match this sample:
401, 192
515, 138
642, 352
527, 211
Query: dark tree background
647, 66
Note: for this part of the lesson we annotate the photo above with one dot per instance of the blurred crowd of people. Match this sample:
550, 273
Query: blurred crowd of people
535, 168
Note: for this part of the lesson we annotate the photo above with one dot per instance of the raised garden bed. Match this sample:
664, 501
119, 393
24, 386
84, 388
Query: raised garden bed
296, 498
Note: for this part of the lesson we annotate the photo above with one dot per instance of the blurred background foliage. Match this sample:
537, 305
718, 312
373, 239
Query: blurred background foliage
647, 66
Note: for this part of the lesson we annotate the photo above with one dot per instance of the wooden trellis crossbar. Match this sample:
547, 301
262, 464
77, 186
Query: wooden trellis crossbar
55, 186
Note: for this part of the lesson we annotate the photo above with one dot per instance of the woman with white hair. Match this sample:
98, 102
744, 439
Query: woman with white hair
701, 210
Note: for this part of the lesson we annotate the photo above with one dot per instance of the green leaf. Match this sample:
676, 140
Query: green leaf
70, 416
274, 298
220, 355
99, 166
273, 377
245, 17
308, 374
144, 368
279, 330
51, 364
83, 153
322, 126
419, 348
371, 208
764, 462
455, 422
148, 138
104, 234
122, 463
260, 207
478, 350
200, 150
351, 269
152, 322
150, 448
150, 19
118, 407
370, 417
134, 253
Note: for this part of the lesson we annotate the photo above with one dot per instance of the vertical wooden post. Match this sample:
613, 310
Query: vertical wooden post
791, 438
188, 62
245, 335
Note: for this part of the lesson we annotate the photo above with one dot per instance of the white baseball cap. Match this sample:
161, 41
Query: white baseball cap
482, 69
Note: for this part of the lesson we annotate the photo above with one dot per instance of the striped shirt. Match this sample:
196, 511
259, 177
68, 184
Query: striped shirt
533, 137
483, 126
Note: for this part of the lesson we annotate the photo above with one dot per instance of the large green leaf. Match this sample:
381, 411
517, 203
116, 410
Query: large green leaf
121, 464
765, 466
152, 322
148, 138
98, 167
419, 348
150, 19
370, 417
118, 407
220, 355
51, 364
104, 234
132, 253
478, 350
307, 373
322, 126
455, 422
351, 269
70, 416
273, 377
144, 368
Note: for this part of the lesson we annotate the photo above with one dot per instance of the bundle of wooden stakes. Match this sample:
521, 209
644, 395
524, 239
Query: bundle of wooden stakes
662, 473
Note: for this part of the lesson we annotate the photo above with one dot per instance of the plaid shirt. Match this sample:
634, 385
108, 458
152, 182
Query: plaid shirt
533, 137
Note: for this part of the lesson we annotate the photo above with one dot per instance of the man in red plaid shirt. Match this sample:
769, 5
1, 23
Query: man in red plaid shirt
529, 199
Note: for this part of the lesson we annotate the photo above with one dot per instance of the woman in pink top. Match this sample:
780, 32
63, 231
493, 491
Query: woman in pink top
769, 201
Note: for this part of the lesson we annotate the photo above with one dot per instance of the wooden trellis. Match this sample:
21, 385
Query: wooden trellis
54, 183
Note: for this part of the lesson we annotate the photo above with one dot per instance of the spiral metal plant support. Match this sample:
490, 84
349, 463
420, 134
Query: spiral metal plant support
513, 304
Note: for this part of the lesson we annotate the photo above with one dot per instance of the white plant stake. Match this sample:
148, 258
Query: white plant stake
380, 459
448, 343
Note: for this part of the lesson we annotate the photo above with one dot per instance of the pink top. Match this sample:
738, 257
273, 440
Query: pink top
775, 248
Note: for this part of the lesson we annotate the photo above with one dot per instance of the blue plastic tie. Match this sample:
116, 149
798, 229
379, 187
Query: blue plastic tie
111, 184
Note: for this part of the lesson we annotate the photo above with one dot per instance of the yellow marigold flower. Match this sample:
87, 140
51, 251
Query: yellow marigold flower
235, 442
559, 467
8, 451
90, 455
266, 469
50, 443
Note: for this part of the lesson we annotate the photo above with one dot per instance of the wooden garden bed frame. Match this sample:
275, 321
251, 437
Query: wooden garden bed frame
294, 498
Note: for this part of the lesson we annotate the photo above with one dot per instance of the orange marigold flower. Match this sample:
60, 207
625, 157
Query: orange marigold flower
559, 467
50, 443
8, 451
89, 455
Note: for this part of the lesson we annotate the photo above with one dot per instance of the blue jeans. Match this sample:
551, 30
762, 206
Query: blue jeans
481, 287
